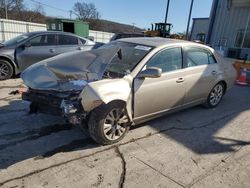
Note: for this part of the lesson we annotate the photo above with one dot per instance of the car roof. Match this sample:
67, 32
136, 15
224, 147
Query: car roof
158, 41
55, 32
129, 33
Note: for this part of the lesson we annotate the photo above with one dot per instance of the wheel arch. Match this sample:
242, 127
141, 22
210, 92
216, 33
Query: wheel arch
14, 66
225, 85
118, 101
122, 102
104, 92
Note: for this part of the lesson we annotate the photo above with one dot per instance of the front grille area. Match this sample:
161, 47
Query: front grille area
47, 101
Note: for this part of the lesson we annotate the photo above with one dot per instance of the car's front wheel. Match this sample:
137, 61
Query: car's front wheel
215, 95
6, 70
109, 123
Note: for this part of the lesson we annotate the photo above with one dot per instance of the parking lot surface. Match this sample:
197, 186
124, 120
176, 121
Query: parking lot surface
197, 147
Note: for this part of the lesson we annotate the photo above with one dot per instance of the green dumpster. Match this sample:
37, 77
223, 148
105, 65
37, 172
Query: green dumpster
77, 27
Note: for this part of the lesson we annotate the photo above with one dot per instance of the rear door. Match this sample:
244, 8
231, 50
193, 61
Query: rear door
201, 73
67, 43
40, 47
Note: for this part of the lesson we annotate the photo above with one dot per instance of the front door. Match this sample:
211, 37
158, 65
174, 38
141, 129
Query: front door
41, 47
155, 95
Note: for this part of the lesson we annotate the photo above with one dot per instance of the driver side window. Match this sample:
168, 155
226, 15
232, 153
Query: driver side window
168, 60
44, 40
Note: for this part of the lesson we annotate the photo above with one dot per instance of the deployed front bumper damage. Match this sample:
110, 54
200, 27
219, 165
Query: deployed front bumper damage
56, 103
75, 106
72, 84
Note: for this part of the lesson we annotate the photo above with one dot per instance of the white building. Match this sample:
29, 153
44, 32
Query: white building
228, 27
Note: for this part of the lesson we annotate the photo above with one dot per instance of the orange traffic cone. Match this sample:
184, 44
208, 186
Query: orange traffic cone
242, 80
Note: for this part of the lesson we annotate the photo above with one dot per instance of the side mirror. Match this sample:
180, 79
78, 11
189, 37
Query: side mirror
150, 72
27, 44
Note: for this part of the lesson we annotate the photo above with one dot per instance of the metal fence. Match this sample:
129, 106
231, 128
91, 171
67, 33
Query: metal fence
12, 28
100, 36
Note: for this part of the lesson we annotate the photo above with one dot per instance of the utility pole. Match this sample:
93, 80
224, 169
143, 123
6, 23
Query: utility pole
133, 26
189, 17
6, 11
70, 14
166, 16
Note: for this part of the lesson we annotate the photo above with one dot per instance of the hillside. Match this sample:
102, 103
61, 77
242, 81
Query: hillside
25, 15
110, 26
100, 25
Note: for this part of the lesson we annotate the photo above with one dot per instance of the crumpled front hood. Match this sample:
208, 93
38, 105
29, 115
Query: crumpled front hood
69, 71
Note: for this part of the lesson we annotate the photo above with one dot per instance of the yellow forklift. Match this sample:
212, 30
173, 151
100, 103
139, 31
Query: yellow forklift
159, 30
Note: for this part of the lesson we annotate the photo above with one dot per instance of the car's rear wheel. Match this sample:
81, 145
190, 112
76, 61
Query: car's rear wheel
6, 70
215, 96
109, 123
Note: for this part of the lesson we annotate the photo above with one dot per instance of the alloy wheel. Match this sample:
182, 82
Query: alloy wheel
115, 124
4, 70
216, 95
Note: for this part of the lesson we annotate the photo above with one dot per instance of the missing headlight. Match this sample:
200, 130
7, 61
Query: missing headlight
68, 107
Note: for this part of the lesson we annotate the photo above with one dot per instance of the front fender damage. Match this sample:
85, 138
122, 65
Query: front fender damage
104, 91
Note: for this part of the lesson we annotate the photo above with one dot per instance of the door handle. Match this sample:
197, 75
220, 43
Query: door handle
52, 50
180, 80
214, 72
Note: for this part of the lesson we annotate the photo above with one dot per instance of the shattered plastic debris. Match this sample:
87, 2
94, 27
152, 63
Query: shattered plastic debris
15, 92
78, 82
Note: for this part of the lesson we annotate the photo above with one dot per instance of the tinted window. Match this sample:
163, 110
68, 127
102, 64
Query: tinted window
211, 59
243, 39
67, 40
43, 40
82, 41
168, 60
197, 56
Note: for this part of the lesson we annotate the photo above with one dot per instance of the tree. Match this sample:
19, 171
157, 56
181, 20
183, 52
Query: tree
16, 10
85, 11
12, 4
37, 14
16, 6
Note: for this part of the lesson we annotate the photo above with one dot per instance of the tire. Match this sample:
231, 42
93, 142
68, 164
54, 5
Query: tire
104, 128
84, 125
215, 96
6, 70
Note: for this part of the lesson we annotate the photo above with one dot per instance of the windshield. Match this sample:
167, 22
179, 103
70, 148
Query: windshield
126, 59
16, 40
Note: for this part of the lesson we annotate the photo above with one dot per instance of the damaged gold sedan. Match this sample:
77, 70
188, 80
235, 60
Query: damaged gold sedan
127, 82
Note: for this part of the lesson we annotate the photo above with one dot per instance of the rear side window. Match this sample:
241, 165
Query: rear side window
198, 56
67, 40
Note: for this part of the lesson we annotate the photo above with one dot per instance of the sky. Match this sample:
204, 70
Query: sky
139, 12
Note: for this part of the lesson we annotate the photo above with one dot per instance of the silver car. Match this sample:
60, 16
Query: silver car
127, 82
24, 50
